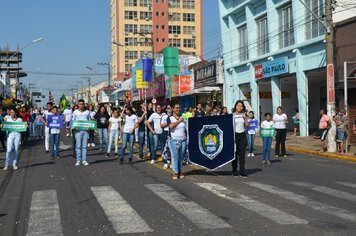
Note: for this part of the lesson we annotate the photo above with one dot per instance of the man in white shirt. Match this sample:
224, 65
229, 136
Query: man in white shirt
44, 121
67, 117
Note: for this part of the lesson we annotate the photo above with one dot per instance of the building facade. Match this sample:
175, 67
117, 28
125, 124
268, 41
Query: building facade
140, 27
275, 55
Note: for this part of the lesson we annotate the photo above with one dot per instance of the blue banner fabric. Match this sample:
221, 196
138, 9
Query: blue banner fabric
55, 122
214, 137
147, 69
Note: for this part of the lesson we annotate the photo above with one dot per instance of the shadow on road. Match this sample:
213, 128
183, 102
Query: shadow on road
40, 164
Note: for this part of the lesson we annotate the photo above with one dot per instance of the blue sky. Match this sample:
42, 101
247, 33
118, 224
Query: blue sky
76, 34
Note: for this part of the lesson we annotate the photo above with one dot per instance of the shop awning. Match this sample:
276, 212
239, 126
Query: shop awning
201, 90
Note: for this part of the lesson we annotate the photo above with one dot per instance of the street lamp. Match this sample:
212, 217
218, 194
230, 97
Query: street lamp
107, 64
89, 81
120, 44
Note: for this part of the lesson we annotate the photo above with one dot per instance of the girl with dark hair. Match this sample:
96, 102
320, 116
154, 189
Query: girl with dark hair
223, 111
128, 135
92, 113
114, 123
102, 119
240, 125
156, 131
280, 121
296, 121
251, 133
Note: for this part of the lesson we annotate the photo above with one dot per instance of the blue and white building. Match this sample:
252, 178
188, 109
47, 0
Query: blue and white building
275, 55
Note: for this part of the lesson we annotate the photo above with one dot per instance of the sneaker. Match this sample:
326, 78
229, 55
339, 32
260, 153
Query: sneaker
67, 135
181, 175
152, 162
121, 161
77, 163
130, 161
268, 163
243, 175
88, 144
107, 155
85, 163
235, 173
284, 155
6, 168
264, 162
58, 157
93, 144
276, 156
175, 176
116, 155
252, 154
248, 155
165, 166
100, 150
14, 167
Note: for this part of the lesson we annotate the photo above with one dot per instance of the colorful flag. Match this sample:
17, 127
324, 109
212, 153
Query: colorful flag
171, 61
147, 69
63, 103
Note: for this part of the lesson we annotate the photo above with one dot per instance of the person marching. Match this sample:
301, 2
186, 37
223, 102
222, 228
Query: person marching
165, 134
280, 121
156, 131
177, 141
113, 131
240, 125
24, 115
128, 135
251, 133
267, 141
74, 143
141, 113
44, 122
67, 117
102, 123
81, 136
13, 141
91, 132
54, 137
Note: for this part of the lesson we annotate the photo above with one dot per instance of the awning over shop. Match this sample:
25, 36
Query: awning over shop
201, 90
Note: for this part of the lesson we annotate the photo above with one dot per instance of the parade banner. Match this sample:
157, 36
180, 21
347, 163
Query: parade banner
147, 65
267, 132
84, 124
214, 135
14, 126
171, 61
139, 80
55, 121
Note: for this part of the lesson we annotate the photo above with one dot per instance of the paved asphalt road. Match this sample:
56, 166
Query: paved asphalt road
298, 195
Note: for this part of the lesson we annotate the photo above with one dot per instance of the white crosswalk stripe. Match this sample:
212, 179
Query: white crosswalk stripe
302, 200
123, 217
260, 208
45, 217
194, 212
327, 191
347, 184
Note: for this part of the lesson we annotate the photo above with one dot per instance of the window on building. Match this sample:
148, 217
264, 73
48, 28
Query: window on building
286, 29
313, 27
130, 15
144, 54
163, 40
174, 3
157, 40
145, 3
174, 16
146, 28
145, 15
162, 14
163, 27
130, 55
189, 43
128, 68
189, 30
129, 28
243, 40
188, 4
157, 13
174, 43
131, 41
130, 3
262, 36
174, 29
190, 17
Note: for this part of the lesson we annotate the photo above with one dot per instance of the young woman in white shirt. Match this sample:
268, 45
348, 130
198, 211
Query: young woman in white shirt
156, 131
240, 125
280, 121
92, 113
128, 135
113, 131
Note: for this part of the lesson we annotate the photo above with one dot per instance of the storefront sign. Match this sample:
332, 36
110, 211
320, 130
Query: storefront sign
55, 122
185, 83
175, 86
205, 76
272, 68
14, 126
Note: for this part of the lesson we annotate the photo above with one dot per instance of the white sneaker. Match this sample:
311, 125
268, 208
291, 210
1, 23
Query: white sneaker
93, 144
152, 162
6, 168
85, 163
252, 154
165, 166
88, 144
248, 155
67, 135
77, 163
14, 167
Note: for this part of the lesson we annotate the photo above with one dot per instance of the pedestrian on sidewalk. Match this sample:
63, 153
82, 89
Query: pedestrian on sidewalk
165, 133
141, 115
102, 123
341, 131
177, 140
296, 122
128, 134
92, 113
324, 126
267, 141
280, 121
13, 141
113, 131
251, 133
44, 122
156, 131
67, 117
54, 137
81, 136
240, 125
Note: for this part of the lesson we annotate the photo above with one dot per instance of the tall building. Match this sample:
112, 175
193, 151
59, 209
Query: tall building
141, 26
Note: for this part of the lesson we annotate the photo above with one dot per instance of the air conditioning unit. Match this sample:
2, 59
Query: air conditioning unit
193, 36
126, 33
147, 19
170, 13
126, 60
136, 19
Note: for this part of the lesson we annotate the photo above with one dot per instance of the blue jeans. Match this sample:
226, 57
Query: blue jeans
103, 133
141, 142
81, 140
91, 136
54, 144
126, 137
113, 133
32, 130
13, 142
250, 142
178, 150
267, 142
164, 144
154, 144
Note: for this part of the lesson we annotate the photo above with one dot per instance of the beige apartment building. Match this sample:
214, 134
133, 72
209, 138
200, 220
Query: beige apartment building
139, 27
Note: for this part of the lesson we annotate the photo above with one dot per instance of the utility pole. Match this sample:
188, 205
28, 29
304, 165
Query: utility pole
89, 82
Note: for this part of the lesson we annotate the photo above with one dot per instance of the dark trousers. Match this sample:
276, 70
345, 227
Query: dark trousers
2, 139
241, 143
281, 136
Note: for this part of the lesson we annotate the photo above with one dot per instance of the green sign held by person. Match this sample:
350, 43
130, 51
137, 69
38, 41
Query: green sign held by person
84, 125
14, 126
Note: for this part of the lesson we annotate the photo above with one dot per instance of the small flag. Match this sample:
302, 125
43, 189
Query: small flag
147, 69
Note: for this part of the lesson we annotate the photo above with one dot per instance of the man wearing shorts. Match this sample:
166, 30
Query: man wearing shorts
324, 125
341, 131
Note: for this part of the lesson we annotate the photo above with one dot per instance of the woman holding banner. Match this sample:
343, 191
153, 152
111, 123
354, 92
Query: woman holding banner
240, 125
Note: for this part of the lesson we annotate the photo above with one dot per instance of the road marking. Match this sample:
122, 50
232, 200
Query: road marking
45, 218
260, 208
194, 212
123, 217
300, 199
347, 184
328, 191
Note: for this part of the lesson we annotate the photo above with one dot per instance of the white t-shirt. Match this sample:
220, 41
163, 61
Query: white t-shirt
92, 114
280, 121
156, 119
114, 122
130, 122
179, 132
239, 122
164, 121
68, 114
78, 115
9, 119
267, 124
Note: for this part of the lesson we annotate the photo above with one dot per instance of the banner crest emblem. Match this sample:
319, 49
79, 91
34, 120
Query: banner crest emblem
211, 141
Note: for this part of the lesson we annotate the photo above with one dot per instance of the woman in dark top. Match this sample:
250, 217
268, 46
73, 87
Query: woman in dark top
102, 122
